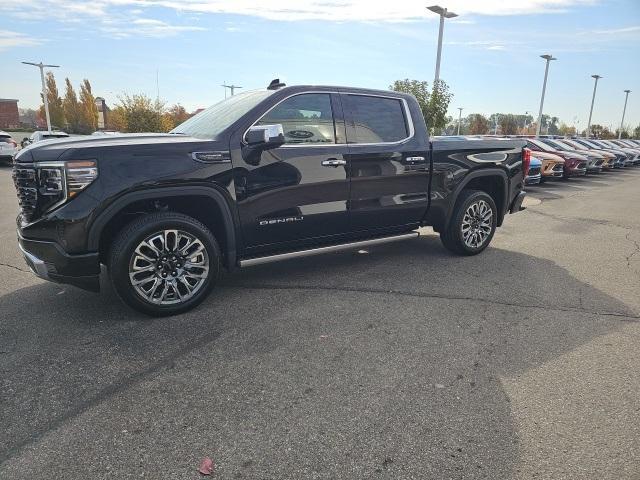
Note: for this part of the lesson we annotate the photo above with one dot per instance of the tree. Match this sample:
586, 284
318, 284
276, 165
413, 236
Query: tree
56, 112
117, 119
508, 124
478, 124
173, 117
566, 130
71, 108
636, 132
434, 104
141, 114
88, 108
600, 131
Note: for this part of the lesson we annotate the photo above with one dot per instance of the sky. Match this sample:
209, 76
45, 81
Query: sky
186, 49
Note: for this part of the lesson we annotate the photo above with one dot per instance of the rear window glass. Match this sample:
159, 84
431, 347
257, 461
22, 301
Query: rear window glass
376, 119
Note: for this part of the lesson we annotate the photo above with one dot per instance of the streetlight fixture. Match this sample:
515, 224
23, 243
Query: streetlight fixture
624, 110
230, 87
444, 13
593, 99
459, 118
548, 58
42, 66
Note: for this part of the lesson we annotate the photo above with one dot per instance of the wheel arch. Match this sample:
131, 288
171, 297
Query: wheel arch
492, 181
219, 217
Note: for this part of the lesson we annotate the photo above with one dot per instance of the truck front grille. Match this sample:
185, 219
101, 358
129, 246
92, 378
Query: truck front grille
26, 185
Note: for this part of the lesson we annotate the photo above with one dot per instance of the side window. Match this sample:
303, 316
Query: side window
305, 119
376, 119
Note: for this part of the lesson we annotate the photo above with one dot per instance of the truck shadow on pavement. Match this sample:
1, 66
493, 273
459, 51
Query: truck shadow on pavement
381, 363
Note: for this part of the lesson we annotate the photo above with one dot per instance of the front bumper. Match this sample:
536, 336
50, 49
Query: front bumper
49, 262
533, 179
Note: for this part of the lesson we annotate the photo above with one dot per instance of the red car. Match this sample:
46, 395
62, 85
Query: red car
574, 164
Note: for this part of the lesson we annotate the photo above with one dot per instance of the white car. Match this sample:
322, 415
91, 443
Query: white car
45, 135
8, 147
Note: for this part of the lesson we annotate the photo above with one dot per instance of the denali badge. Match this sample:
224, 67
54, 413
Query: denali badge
273, 221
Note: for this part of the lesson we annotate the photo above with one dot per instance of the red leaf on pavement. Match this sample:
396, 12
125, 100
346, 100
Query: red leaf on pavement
206, 466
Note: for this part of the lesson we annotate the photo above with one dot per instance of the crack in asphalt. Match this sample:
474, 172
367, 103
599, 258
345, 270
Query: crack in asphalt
636, 250
627, 317
591, 221
106, 393
14, 267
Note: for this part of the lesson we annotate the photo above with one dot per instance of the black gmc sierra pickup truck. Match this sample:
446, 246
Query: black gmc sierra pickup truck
262, 176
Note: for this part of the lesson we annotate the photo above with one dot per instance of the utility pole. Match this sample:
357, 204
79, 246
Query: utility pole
459, 119
444, 13
495, 131
42, 66
230, 87
624, 110
593, 99
548, 58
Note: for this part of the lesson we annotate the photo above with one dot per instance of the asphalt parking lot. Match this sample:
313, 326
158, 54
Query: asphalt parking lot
399, 362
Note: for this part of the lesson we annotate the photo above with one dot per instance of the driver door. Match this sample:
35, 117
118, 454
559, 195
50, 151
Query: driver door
298, 191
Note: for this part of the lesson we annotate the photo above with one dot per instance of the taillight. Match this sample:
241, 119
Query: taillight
526, 161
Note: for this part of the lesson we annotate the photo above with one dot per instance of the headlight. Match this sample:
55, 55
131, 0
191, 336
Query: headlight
61, 181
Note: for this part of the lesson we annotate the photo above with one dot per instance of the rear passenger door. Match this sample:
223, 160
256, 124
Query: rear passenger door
389, 167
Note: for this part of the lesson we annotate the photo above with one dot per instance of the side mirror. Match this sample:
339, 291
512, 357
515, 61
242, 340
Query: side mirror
265, 136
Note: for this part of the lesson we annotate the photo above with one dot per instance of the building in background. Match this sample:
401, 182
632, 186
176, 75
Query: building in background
9, 117
103, 110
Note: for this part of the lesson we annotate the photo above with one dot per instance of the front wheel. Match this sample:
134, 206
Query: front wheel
472, 224
164, 263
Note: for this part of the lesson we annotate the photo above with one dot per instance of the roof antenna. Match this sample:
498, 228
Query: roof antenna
276, 84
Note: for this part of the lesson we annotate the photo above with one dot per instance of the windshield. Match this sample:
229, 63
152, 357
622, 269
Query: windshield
541, 145
211, 122
575, 144
556, 145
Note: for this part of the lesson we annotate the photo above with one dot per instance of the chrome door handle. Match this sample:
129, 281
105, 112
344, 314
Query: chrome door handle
333, 162
415, 159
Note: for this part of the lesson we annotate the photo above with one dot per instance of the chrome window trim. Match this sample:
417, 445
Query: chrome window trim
407, 113
297, 145
403, 101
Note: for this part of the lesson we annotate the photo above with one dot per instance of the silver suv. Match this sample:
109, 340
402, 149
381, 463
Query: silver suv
8, 147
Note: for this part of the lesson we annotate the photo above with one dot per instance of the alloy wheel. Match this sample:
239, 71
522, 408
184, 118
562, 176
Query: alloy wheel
477, 224
169, 267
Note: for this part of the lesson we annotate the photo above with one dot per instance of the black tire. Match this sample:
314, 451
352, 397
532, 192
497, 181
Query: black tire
122, 258
452, 236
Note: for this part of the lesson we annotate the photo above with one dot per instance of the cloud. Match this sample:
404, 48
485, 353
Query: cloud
147, 27
617, 31
9, 39
292, 10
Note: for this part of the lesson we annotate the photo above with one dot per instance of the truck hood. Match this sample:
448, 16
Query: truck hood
48, 150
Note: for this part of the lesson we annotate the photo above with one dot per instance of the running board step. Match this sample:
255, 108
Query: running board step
249, 262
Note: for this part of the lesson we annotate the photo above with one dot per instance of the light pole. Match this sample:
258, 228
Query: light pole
624, 110
593, 99
41, 66
230, 87
444, 13
459, 119
548, 58
495, 131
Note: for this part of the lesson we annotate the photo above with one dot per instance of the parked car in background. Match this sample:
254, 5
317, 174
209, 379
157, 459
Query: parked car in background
573, 165
609, 158
629, 148
8, 147
43, 135
628, 156
594, 160
621, 157
535, 171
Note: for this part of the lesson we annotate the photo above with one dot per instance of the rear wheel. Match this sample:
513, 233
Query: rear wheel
164, 263
472, 224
